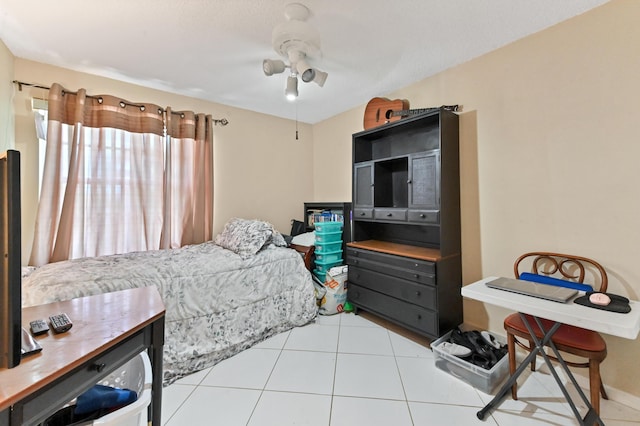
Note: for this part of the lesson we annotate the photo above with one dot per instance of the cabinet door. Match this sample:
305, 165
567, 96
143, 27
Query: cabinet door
424, 181
363, 185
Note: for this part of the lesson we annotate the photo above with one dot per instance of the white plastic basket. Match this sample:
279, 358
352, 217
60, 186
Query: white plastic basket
478, 377
135, 375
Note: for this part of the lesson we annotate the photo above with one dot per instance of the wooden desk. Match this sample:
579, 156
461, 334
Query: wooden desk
108, 330
613, 323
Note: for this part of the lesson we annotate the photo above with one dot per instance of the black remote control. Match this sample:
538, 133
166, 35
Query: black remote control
60, 323
38, 327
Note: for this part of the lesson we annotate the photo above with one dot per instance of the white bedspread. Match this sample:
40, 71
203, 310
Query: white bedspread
217, 304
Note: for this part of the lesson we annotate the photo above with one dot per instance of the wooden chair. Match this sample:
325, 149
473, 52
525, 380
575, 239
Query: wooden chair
307, 254
569, 339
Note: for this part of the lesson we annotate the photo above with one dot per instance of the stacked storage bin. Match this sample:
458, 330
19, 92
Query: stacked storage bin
328, 247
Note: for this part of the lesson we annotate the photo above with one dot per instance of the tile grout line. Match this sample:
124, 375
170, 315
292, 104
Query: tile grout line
335, 370
268, 378
395, 360
166, 421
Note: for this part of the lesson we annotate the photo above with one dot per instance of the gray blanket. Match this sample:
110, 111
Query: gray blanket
217, 304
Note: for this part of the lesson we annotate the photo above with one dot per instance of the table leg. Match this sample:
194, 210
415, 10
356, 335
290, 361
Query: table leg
591, 418
497, 399
155, 353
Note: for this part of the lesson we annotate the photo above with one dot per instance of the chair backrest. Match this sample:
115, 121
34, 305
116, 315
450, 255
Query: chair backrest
563, 266
307, 254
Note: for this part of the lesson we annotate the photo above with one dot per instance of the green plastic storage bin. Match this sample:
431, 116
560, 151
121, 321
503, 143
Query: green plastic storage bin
328, 226
328, 237
332, 256
326, 248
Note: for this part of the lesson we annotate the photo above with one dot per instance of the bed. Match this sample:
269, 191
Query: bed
221, 296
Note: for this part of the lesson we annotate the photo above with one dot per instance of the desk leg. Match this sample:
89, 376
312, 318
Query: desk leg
155, 354
497, 399
591, 418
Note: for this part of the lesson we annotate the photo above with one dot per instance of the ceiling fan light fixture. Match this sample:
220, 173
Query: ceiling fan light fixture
307, 73
319, 77
273, 66
296, 41
291, 91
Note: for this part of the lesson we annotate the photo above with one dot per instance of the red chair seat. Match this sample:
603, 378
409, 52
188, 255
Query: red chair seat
566, 335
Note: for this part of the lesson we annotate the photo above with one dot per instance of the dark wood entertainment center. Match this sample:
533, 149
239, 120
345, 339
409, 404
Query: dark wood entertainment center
404, 259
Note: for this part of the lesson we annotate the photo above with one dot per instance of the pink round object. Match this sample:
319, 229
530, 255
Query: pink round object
599, 299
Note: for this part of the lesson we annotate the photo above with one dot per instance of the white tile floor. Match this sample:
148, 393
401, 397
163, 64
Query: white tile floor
347, 370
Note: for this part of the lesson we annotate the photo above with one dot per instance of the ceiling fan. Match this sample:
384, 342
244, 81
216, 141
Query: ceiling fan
298, 42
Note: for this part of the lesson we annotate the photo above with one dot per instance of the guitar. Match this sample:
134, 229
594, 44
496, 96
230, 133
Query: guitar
382, 110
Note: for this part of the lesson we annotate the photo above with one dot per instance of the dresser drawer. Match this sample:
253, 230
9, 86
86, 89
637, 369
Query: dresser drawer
390, 214
411, 316
403, 267
363, 213
423, 216
392, 260
417, 294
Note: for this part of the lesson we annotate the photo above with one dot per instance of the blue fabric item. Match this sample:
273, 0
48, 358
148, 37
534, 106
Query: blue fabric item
542, 279
103, 397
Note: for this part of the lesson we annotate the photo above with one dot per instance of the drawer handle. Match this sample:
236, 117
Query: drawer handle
355, 261
363, 214
422, 215
389, 214
409, 181
98, 367
416, 276
419, 316
417, 293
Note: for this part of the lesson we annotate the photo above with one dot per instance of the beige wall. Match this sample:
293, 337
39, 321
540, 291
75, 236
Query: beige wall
549, 156
549, 150
6, 89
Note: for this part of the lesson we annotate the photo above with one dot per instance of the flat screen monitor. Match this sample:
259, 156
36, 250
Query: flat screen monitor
10, 260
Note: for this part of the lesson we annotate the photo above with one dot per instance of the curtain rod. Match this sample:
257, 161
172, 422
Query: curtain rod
216, 121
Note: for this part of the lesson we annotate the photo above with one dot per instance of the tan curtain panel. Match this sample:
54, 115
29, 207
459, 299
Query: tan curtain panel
114, 183
104, 111
189, 179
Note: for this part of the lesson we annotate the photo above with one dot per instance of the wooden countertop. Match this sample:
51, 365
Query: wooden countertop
99, 322
423, 253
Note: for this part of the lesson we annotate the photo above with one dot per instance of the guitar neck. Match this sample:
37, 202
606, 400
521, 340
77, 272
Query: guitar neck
406, 112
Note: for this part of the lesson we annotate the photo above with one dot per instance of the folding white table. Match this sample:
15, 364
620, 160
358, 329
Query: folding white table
613, 323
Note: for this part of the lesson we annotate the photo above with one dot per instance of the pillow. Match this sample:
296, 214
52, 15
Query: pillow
543, 279
277, 239
306, 239
247, 237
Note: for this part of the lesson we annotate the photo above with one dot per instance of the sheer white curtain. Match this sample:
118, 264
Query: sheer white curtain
112, 183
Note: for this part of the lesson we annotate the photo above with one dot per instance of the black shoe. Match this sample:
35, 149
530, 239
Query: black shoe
481, 346
460, 338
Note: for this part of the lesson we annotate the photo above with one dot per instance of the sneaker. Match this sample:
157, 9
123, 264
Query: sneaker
455, 349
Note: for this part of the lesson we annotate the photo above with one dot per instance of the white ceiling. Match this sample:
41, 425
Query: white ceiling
213, 49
